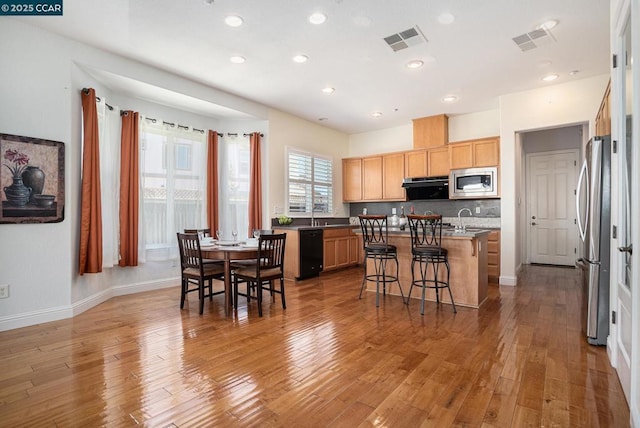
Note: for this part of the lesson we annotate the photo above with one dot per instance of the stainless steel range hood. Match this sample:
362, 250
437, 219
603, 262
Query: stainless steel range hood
426, 188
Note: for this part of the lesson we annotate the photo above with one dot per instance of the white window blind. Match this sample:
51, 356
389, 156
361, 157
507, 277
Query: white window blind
309, 183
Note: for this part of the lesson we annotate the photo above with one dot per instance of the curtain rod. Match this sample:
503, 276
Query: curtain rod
235, 134
105, 103
173, 125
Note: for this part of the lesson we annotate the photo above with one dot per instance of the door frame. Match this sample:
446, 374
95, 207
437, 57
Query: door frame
621, 10
527, 231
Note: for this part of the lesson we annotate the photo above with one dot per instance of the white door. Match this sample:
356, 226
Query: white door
552, 232
624, 328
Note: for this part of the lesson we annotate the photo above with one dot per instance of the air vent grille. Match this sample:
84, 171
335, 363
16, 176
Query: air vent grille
534, 39
404, 39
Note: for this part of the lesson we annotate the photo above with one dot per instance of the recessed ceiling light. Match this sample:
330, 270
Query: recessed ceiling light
450, 99
317, 18
446, 18
328, 90
300, 58
416, 63
548, 25
208, 2
574, 72
237, 59
550, 77
376, 114
233, 20
322, 119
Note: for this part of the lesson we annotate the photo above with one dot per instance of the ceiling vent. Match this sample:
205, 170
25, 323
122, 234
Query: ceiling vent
411, 37
534, 39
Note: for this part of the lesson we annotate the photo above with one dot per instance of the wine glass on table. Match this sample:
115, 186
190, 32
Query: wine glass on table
218, 235
256, 233
234, 233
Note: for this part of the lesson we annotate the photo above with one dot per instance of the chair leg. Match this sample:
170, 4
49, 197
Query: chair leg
183, 292
398, 279
449, 288
424, 274
211, 290
284, 304
235, 292
364, 279
435, 281
259, 291
201, 294
413, 279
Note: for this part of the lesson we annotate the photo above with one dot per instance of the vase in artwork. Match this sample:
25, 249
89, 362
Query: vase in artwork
33, 177
17, 194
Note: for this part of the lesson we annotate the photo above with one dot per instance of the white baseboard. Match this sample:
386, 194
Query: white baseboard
54, 314
508, 280
35, 317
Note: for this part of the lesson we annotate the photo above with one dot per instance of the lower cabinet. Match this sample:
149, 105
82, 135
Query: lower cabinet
341, 249
493, 256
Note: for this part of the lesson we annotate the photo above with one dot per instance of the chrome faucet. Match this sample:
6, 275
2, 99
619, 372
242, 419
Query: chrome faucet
461, 227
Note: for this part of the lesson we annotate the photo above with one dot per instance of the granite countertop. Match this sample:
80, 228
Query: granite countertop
309, 227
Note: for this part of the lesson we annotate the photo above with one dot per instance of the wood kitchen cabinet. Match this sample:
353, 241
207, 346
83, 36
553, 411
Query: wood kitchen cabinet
415, 163
427, 163
603, 118
438, 161
352, 180
475, 153
493, 256
392, 176
432, 131
341, 248
372, 178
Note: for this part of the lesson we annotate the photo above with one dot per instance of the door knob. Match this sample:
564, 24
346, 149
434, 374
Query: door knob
533, 217
534, 223
627, 249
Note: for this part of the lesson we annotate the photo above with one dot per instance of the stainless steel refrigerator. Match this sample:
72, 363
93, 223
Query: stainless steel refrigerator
593, 205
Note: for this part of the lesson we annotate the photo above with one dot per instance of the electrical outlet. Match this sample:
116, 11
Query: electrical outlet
4, 291
477, 210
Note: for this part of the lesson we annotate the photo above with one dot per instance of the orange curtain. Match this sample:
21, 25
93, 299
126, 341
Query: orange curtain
129, 190
255, 185
212, 181
90, 257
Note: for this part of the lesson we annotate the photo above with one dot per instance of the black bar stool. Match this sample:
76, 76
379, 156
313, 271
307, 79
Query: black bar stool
426, 249
375, 238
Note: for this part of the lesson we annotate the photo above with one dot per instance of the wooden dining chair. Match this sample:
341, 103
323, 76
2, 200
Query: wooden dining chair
195, 272
263, 275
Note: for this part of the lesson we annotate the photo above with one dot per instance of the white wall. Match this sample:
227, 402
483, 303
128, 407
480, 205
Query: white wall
474, 125
387, 140
41, 77
553, 106
285, 131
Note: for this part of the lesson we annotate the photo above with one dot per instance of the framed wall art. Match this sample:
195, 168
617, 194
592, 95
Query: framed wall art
31, 180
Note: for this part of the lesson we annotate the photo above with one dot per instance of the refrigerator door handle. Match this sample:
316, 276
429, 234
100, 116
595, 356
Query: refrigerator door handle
584, 177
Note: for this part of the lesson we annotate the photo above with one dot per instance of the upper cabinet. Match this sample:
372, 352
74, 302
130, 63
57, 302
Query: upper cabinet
372, 178
352, 180
432, 131
475, 153
392, 176
603, 118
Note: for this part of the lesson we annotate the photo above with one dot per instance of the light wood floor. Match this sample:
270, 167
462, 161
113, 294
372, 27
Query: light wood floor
329, 359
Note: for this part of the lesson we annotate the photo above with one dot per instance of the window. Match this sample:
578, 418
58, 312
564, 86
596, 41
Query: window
172, 169
233, 203
309, 183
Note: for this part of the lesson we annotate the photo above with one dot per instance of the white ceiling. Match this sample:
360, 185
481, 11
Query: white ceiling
474, 58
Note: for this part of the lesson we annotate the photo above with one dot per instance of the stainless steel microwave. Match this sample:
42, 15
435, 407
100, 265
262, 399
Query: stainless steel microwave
473, 183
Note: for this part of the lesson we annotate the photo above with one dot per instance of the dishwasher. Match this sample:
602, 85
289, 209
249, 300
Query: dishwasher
311, 253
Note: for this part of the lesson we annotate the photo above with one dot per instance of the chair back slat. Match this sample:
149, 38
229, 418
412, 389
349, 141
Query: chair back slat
426, 230
374, 229
271, 251
190, 254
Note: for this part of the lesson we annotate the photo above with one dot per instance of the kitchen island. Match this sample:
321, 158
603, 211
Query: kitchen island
467, 260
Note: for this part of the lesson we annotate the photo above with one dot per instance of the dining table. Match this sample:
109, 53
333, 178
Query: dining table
228, 254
